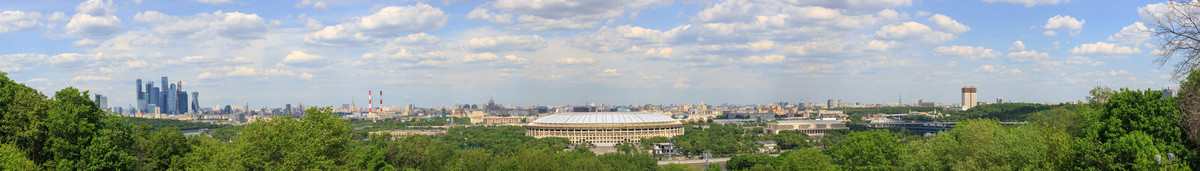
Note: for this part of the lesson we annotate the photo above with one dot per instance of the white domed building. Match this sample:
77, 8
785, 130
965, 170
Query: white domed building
604, 128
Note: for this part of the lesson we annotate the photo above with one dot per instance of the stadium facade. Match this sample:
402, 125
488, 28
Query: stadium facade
604, 128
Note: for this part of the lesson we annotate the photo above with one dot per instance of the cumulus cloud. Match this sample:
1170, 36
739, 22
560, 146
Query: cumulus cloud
1030, 3
574, 61
315, 4
85, 43
1027, 56
625, 37
1133, 34
15, 63
94, 18
232, 25
768, 59
482, 14
20, 21
1102, 49
913, 31
609, 73
507, 43
967, 52
301, 59
90, 78
945, 23
386, 23
1063, 23
559, 15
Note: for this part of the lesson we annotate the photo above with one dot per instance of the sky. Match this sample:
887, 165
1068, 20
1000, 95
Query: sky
560, 52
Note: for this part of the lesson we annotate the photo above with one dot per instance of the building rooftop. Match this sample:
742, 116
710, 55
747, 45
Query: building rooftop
603, 118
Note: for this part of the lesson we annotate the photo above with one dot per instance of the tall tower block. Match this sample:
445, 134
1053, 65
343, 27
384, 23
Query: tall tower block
969, 97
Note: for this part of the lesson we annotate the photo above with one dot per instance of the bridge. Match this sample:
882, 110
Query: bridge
922, 127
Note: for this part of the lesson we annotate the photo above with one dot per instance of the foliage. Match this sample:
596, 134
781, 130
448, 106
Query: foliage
868, 150
805, 159
1003, 112
747, 161
887, 110
171, 123
787, 140
718, 139
12, 158
320, 140
979, 145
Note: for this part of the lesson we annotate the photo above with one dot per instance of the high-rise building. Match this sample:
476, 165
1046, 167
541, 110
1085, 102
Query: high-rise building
153, 97
102, 102
141, 96
183, 102
999, 100
163, 95
195, 102
172, 99
830, 104
1168, 93
969, 97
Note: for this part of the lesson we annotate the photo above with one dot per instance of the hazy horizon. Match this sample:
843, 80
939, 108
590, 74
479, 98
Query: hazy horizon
438, 53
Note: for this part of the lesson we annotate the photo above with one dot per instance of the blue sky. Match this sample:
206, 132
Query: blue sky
557, 52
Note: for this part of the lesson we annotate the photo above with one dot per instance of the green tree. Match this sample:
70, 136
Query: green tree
12, 158
742, 162
867, 150
162, 146
320, 140
805, 159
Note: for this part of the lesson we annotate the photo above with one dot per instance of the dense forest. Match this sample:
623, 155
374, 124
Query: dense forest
1126, 130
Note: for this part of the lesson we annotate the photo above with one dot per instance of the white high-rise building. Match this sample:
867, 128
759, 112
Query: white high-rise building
969, 97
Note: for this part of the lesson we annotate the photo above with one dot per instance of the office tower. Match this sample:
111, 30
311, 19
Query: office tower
196, 102
172, 99
287, 109
141, 96
1168, 93
154, 97
102, 102
999, 100
969, 97
183, 102
831, 103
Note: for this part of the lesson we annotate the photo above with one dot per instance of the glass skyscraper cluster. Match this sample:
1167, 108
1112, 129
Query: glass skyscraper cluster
168, 99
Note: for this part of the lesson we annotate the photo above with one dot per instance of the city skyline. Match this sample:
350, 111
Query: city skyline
439, 53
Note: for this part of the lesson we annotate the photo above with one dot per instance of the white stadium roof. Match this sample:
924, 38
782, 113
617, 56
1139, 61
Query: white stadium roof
603, 118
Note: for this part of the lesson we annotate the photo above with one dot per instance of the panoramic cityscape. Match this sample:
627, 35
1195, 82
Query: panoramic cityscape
599, 85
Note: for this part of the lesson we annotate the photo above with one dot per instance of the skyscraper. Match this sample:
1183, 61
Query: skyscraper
172, 99
154, 97
163, 95
969, 97
183, 102
195, 102
141, 96
102, 102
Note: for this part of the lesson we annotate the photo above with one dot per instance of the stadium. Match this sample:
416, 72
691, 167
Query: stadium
604, 128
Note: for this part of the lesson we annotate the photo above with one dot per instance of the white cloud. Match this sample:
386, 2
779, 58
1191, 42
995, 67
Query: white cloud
1062, 23
1027, 56
232, 25
609, 73
94, 18
625, 37
480, 57
1103, 49
494, 18
574, 61
20, 21
1133, 34
1017, 46
386, 23
301, 59
768, 59
1030, 3
945, 23
507, 43
913, 31
90, 78
559, 14
13, 63
85, 43
315, 4
682, 83
967, 52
